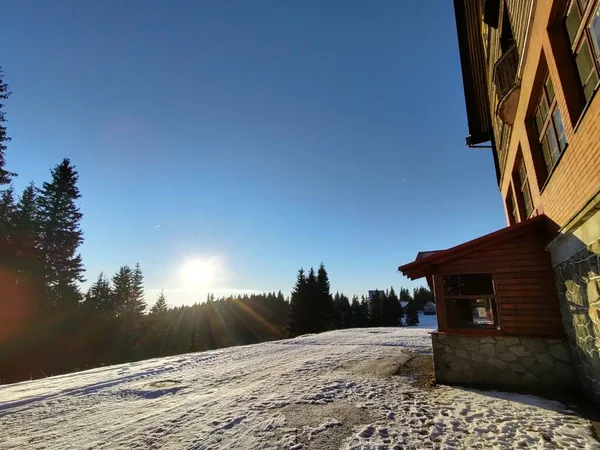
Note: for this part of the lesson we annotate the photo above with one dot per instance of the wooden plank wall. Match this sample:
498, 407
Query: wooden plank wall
525, 288
518, 11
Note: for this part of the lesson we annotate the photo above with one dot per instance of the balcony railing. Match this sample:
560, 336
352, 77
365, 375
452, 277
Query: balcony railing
505, 71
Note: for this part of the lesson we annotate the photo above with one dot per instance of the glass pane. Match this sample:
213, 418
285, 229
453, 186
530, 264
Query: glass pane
585, 67
543, 108
539, 122
560, 129
469, 284
522, 173
588, 89
549, 90
528, 203
546, 152
572, 21
553, 148
472, 313
595, 31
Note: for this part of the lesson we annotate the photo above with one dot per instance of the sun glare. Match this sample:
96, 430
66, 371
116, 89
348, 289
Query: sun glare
197, 273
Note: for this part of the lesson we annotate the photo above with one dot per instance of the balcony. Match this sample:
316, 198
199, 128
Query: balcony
507, 84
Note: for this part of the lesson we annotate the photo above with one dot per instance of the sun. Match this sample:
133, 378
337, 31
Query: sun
197, 273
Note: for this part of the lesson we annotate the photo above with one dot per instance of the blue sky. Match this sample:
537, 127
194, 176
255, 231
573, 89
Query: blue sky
258, 136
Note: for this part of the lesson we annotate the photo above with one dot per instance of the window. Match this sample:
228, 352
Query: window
513, 216
584, 38
524, 191
471, 301
549, 126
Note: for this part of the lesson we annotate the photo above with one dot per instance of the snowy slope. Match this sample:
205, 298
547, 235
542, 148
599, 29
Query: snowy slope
246, 398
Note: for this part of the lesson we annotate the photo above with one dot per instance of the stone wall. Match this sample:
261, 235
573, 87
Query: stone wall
498, 361
578, 282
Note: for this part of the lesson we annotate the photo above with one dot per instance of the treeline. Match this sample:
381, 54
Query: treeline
314, 309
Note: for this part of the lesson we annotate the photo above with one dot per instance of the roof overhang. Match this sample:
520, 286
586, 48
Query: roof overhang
425, 266
469, 15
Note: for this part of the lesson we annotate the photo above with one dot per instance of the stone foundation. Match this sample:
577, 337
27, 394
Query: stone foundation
497, 361
578, 282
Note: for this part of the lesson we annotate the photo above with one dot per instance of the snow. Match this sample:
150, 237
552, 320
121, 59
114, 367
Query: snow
242, 398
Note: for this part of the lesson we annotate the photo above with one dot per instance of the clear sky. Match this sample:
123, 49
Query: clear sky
259, 136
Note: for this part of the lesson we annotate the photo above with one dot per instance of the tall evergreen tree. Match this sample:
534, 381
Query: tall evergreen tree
325, 305
5, 176
412, 313
7, 228
313, 300
136, 303
122, 288
422, 296
359, 315
99, 297
60, 237
160, 307
392, 313
26, 235
298, 311
375, 303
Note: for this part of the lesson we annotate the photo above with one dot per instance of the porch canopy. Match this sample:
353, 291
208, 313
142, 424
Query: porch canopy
498, 284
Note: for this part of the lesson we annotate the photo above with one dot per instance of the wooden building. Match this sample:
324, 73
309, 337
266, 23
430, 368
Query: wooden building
531, 71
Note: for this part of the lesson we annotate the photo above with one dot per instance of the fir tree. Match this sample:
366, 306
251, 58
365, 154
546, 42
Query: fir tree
5, 176
392, 312
122, 282
314, 313
160, 307
412, 314
99, 297
298, 312
60, 237
7, 227
27, 256
375, 303
136, 304
422, 296
325, 305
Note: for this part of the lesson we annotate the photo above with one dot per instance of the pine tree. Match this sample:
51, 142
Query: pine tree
312, 299
298, 311
160, 307
136, 303
60, 237
99, 297
412, 314
392, 312
5, 176
122, 282
325, 305
375, 309
7, 228
26, 236
346, 311
422, 296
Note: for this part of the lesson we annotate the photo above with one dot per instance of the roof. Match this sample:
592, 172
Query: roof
468, 15
423, 266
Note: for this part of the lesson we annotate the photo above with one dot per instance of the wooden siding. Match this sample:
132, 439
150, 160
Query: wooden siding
526, 295
518, 11
472, 55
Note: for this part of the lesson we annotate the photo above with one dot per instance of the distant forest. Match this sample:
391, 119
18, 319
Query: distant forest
48, 326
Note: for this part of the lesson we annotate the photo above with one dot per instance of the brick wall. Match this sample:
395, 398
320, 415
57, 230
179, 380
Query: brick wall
576, 176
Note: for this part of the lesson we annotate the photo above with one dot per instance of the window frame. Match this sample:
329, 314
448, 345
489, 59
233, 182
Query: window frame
587, 9
547, 126
525, 189
492, 298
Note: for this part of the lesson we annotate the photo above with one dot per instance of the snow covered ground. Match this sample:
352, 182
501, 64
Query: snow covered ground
313, 392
